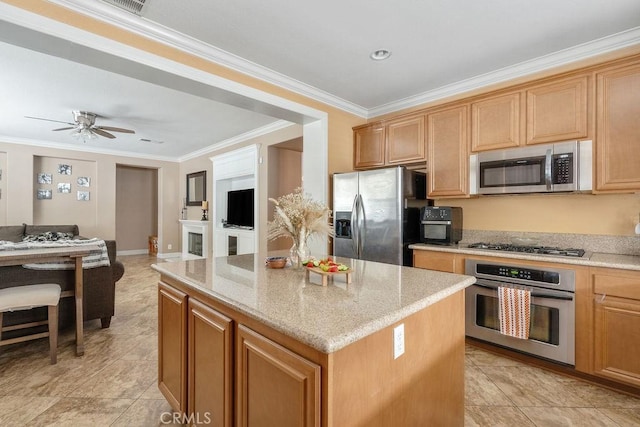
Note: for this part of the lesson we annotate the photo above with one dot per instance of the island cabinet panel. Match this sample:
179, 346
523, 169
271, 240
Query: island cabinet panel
438, 261
275, 387
496, 122
210, 364
369, 146
557, 111
448, 152
422, 387
406, 142
617, 325
618, 128
172, 346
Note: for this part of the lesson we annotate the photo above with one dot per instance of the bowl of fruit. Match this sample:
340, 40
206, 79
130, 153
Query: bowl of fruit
276, 261
326, 265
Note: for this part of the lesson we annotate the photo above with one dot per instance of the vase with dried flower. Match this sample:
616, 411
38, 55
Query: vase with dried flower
299, 218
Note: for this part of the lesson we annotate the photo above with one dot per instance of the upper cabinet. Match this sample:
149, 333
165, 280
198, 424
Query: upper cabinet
396, 142
557, 111
496, 122
448, 153
618, 128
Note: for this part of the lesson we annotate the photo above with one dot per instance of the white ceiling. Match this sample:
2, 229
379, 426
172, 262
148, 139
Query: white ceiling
320, 49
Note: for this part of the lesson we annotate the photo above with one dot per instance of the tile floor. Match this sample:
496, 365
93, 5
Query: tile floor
114, 383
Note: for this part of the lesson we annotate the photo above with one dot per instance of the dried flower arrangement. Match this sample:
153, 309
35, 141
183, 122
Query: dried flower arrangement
299, 217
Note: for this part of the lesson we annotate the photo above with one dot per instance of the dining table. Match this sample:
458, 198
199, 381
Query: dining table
53, 255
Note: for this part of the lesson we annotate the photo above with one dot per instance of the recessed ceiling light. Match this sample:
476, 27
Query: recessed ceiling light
380, 54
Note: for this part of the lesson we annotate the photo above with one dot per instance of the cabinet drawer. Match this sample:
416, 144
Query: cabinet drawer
623, 285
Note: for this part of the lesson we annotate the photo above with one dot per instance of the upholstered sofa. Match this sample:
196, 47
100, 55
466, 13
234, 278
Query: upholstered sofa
99, 282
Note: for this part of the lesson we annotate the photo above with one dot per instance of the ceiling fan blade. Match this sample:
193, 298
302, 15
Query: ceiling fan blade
49, 120
112, 129
102, 133
67, 128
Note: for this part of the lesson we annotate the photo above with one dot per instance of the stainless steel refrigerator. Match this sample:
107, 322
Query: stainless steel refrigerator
371, 218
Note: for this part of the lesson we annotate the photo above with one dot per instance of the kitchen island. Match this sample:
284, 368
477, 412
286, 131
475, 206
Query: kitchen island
246, 345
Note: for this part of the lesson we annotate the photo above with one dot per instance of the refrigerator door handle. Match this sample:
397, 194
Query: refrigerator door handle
361, 219
354, 225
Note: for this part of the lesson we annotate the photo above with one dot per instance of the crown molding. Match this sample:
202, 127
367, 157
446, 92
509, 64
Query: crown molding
580, 52
140, 26
83, 148
238, 139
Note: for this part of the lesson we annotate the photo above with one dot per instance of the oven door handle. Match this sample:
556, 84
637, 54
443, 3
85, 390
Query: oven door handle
533, 293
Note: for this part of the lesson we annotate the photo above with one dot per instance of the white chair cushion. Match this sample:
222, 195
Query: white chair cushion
29, 296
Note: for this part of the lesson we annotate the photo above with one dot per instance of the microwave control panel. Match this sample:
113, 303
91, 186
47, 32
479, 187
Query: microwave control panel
434, 213
563, 168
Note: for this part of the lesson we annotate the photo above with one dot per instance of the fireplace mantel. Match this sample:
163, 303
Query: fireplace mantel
191, 228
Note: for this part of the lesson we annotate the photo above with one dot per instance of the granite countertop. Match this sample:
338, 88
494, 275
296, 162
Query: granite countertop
325, 318
590, 259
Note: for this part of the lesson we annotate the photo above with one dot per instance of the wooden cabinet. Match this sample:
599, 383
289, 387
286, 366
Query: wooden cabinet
396, 142
618, 128
496, 122
557, 110
172, 345
448, 152
438, 261
210, 364
369, 146
275, 387
405, 141
617, 324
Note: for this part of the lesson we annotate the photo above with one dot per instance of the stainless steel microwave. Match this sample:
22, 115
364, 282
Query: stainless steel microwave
547, 168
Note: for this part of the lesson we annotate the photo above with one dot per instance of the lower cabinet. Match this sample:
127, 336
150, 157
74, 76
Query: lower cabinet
617, 325
275, 387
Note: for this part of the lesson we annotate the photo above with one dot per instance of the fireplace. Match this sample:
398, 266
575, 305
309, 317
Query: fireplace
195, 244
195, 236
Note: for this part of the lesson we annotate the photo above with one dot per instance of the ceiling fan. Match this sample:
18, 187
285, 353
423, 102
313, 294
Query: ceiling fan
84, 126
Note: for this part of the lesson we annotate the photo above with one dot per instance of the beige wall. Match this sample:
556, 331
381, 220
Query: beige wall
100, 221
285, 173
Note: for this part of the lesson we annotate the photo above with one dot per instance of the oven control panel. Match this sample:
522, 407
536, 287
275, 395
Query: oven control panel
518, 273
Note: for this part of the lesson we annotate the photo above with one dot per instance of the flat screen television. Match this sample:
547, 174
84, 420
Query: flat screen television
240, 208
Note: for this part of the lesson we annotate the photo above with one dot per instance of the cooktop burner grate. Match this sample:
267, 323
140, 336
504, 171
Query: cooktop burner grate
542, 250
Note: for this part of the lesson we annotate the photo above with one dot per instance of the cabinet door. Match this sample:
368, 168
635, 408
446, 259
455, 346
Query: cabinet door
369, 146
448, 152
617, 339
275, 387
496, 122
405, 141
210, 356
557, 111
172, 345
618, 129
438, 261
246, 243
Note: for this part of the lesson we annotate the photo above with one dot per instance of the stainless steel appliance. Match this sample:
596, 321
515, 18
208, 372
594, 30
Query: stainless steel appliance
552, 326
441, 225
371, 218
564, 166
531, 249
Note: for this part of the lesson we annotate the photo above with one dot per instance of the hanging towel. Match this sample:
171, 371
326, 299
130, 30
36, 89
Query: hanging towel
515, 312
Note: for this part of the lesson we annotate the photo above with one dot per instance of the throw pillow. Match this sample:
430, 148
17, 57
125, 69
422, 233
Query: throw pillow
47, 236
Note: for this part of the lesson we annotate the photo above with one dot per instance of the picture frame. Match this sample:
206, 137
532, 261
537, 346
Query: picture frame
64, 169
83, 196
83, 181
44, 178
44, 194
64, 187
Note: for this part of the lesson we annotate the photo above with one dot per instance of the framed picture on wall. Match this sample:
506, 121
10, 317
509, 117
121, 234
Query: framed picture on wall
44, 178
83, 181
64, 169
44, 194
64, 187
83, 196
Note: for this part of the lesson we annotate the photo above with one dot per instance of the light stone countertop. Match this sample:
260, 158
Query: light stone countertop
595, 259
325, 318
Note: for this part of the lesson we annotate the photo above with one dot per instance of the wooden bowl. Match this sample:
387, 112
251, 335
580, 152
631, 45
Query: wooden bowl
276, 261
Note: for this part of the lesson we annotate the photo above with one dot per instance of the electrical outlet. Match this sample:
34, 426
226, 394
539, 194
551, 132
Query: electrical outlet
169, 246
398, 341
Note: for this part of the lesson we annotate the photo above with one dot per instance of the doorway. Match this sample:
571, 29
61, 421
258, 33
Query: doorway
136, 208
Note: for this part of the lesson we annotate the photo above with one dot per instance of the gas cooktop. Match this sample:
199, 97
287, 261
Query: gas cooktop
541, 250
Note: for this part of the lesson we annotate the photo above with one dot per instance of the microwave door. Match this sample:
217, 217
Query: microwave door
514, 175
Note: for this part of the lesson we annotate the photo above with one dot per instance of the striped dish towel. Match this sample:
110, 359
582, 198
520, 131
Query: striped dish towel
515, 312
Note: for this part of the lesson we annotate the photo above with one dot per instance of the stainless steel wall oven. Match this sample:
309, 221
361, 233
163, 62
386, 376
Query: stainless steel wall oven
552, 324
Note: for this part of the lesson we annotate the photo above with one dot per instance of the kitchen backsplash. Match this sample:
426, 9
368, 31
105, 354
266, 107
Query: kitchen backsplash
628, 245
